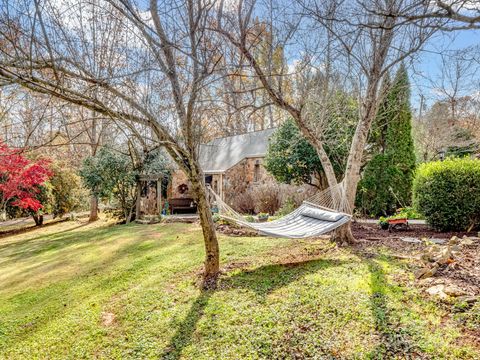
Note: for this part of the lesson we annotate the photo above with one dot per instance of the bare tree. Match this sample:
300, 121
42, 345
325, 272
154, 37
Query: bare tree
433, 132
242, 104
339, 37
156, 66
451, 120
448, 15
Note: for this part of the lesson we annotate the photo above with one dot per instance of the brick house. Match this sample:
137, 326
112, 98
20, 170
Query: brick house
231, 165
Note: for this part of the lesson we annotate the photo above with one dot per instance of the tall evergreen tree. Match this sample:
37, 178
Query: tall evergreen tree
387, 178
378, 131
399, 140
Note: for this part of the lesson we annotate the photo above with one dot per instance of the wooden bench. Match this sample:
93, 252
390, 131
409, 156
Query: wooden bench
182, 204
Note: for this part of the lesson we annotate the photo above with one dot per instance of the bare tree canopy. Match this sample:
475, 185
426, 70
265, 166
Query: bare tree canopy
341, 43
449, 15
175, 73
150, 69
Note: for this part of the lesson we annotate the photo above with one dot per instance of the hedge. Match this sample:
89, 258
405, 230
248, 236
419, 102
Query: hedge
447, 193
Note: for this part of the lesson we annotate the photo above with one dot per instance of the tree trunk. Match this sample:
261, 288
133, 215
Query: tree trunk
212, 252
93, 147
38, 219
93, 208
354, 162
3, 211
343, 235
326, 165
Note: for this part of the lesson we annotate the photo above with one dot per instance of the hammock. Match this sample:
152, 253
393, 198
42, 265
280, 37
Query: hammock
320, 214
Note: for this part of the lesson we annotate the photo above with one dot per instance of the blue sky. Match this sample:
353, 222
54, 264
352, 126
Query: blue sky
428, 65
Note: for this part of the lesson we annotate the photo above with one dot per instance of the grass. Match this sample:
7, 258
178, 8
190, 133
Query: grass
24, 226
73, 291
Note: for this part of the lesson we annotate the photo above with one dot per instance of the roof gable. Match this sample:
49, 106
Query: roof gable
221, 154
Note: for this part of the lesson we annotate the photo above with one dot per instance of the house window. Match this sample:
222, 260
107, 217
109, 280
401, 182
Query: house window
256, 171
208, 179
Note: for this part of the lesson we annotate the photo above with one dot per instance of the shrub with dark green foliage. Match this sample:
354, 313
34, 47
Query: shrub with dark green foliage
399, 140
375, 195
291, 159
448, 194
111, 175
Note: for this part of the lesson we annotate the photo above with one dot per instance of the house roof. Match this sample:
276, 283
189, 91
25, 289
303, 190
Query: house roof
221, 154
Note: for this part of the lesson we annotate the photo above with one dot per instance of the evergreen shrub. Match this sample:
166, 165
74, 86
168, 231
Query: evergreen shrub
447, 193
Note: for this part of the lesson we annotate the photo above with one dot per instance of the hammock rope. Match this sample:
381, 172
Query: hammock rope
314, 216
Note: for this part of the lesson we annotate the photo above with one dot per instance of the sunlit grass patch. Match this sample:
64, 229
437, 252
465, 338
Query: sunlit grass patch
131, 291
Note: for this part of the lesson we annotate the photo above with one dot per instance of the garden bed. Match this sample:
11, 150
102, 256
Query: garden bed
464, 273
373, 232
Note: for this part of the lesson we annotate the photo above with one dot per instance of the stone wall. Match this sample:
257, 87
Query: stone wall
179, 178
246, 174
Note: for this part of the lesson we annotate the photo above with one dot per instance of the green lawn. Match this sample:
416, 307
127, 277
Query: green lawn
23, 225
72, 291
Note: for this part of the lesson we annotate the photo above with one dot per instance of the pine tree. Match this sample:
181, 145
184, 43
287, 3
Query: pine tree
387, 178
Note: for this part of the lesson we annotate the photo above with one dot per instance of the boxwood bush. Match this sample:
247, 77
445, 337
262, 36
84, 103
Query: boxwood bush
447, 193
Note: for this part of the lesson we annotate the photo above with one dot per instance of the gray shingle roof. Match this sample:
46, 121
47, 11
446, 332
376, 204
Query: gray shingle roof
221, 154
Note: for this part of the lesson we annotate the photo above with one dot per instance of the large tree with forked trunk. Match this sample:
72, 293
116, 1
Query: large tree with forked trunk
350, 45
152, 72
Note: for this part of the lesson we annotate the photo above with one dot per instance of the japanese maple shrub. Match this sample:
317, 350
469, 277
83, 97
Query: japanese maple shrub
21, 180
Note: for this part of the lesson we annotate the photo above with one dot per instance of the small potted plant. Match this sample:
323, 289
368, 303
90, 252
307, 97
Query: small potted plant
166, 209
262, 217
383, 223
249, 218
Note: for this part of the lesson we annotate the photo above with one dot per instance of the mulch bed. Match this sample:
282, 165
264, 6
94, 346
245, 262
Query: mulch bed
233, 230
465, 273
373, 232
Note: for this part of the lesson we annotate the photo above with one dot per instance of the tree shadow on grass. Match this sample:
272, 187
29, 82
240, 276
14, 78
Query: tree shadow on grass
395, 340
30, 228
136, 250
83, 288
262, 280
25, 249
24, 246
183, 335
